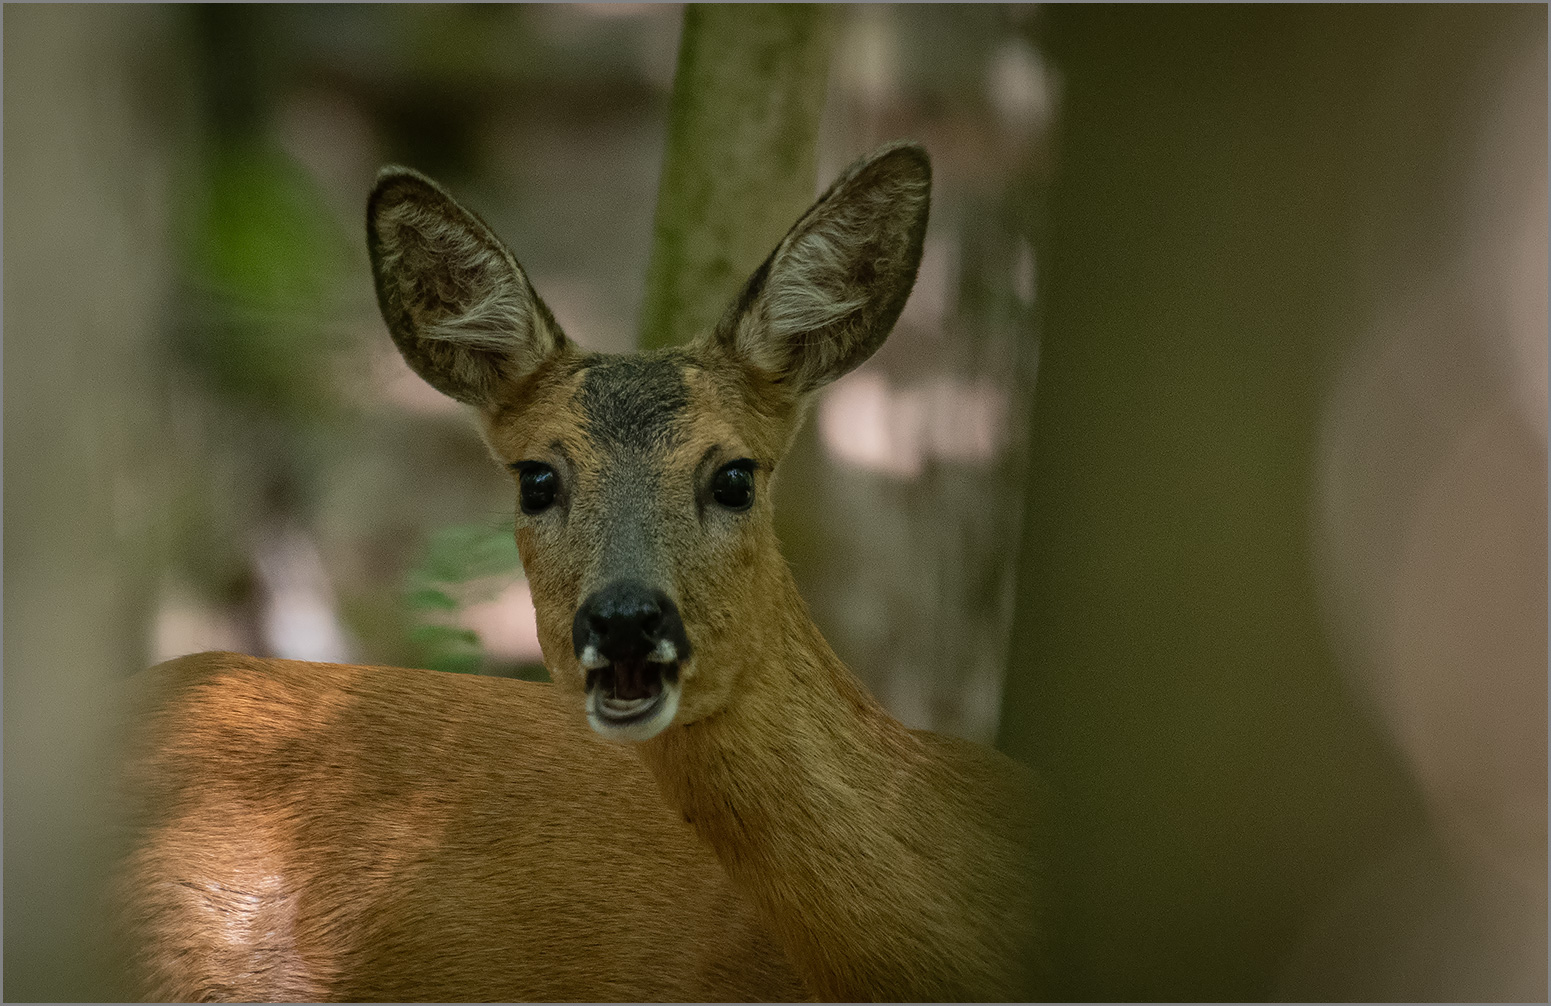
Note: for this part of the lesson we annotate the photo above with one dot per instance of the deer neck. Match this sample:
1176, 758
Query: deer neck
809, 791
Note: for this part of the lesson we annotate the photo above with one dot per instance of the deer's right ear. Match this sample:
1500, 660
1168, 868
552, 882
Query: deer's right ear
460, 309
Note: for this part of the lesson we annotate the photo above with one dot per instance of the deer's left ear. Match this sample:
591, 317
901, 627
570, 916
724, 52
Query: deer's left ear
828, 295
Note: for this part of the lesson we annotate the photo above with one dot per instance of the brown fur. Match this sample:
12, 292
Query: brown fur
892, 864
336, 832
326, 832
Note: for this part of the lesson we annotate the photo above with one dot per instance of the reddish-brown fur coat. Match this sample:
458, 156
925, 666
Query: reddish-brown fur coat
326, 832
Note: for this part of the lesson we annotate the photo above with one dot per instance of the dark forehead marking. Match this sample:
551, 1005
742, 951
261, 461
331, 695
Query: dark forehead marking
633, 401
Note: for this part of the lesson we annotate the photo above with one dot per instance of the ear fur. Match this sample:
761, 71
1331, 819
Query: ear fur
827, 297
459, 307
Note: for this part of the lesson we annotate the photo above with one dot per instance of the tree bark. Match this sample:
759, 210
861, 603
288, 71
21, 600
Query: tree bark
85, 233
1170, 675
739, 165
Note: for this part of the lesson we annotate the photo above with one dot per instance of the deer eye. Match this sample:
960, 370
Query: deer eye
733, 485
536, 486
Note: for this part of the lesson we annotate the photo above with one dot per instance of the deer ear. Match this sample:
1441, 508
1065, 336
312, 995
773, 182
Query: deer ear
459, 307
826, 298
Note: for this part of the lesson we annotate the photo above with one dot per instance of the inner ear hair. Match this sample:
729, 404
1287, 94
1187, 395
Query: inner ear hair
831, 291
460, 309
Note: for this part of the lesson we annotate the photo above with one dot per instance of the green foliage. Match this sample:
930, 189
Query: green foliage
461, 564
266, 237
459, 553
264, 259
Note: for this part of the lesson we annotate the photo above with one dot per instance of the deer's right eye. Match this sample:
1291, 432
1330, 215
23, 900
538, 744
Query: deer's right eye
536, 486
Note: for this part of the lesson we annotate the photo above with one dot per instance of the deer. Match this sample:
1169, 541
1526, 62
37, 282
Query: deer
704, 803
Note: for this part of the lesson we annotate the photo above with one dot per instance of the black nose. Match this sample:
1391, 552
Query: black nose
627, 621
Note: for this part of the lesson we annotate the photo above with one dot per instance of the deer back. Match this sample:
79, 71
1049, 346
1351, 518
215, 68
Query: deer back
331, 832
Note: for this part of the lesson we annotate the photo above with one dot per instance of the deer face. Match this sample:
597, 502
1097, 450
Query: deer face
644, 520
643, 481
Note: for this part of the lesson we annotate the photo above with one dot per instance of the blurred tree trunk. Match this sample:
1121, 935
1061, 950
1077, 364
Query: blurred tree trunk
1213, 778
739, 165
83, 228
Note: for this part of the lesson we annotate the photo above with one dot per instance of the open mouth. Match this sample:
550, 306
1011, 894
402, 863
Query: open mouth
632, 699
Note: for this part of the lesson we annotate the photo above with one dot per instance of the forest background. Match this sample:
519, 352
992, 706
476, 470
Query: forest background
1205, 472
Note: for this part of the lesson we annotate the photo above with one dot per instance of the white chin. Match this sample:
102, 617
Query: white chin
632, 719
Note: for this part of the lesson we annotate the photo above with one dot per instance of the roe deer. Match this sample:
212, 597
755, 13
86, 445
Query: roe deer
766, 830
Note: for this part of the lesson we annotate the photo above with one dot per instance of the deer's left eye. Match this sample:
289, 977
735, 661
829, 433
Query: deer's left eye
536, 486
733, 485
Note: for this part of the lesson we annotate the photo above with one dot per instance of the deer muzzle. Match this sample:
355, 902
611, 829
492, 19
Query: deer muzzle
630, 640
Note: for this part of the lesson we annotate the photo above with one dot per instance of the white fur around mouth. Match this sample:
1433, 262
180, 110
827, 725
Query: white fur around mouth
632, 719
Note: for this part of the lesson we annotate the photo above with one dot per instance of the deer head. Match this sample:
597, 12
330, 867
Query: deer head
644, 481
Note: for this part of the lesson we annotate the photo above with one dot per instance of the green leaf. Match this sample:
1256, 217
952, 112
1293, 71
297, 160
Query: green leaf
430, 599
435, 588
456, 663
436, 635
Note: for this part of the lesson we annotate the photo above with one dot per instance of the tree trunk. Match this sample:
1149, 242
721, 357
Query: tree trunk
739, 164
1170, 676
84, 234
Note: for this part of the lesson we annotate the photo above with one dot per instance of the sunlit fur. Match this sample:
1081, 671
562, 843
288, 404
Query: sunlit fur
321, 832
780, 804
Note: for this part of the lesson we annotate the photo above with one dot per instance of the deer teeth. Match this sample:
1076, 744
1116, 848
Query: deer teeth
625, 706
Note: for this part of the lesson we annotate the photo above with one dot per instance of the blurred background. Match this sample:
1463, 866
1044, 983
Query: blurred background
1205, 472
